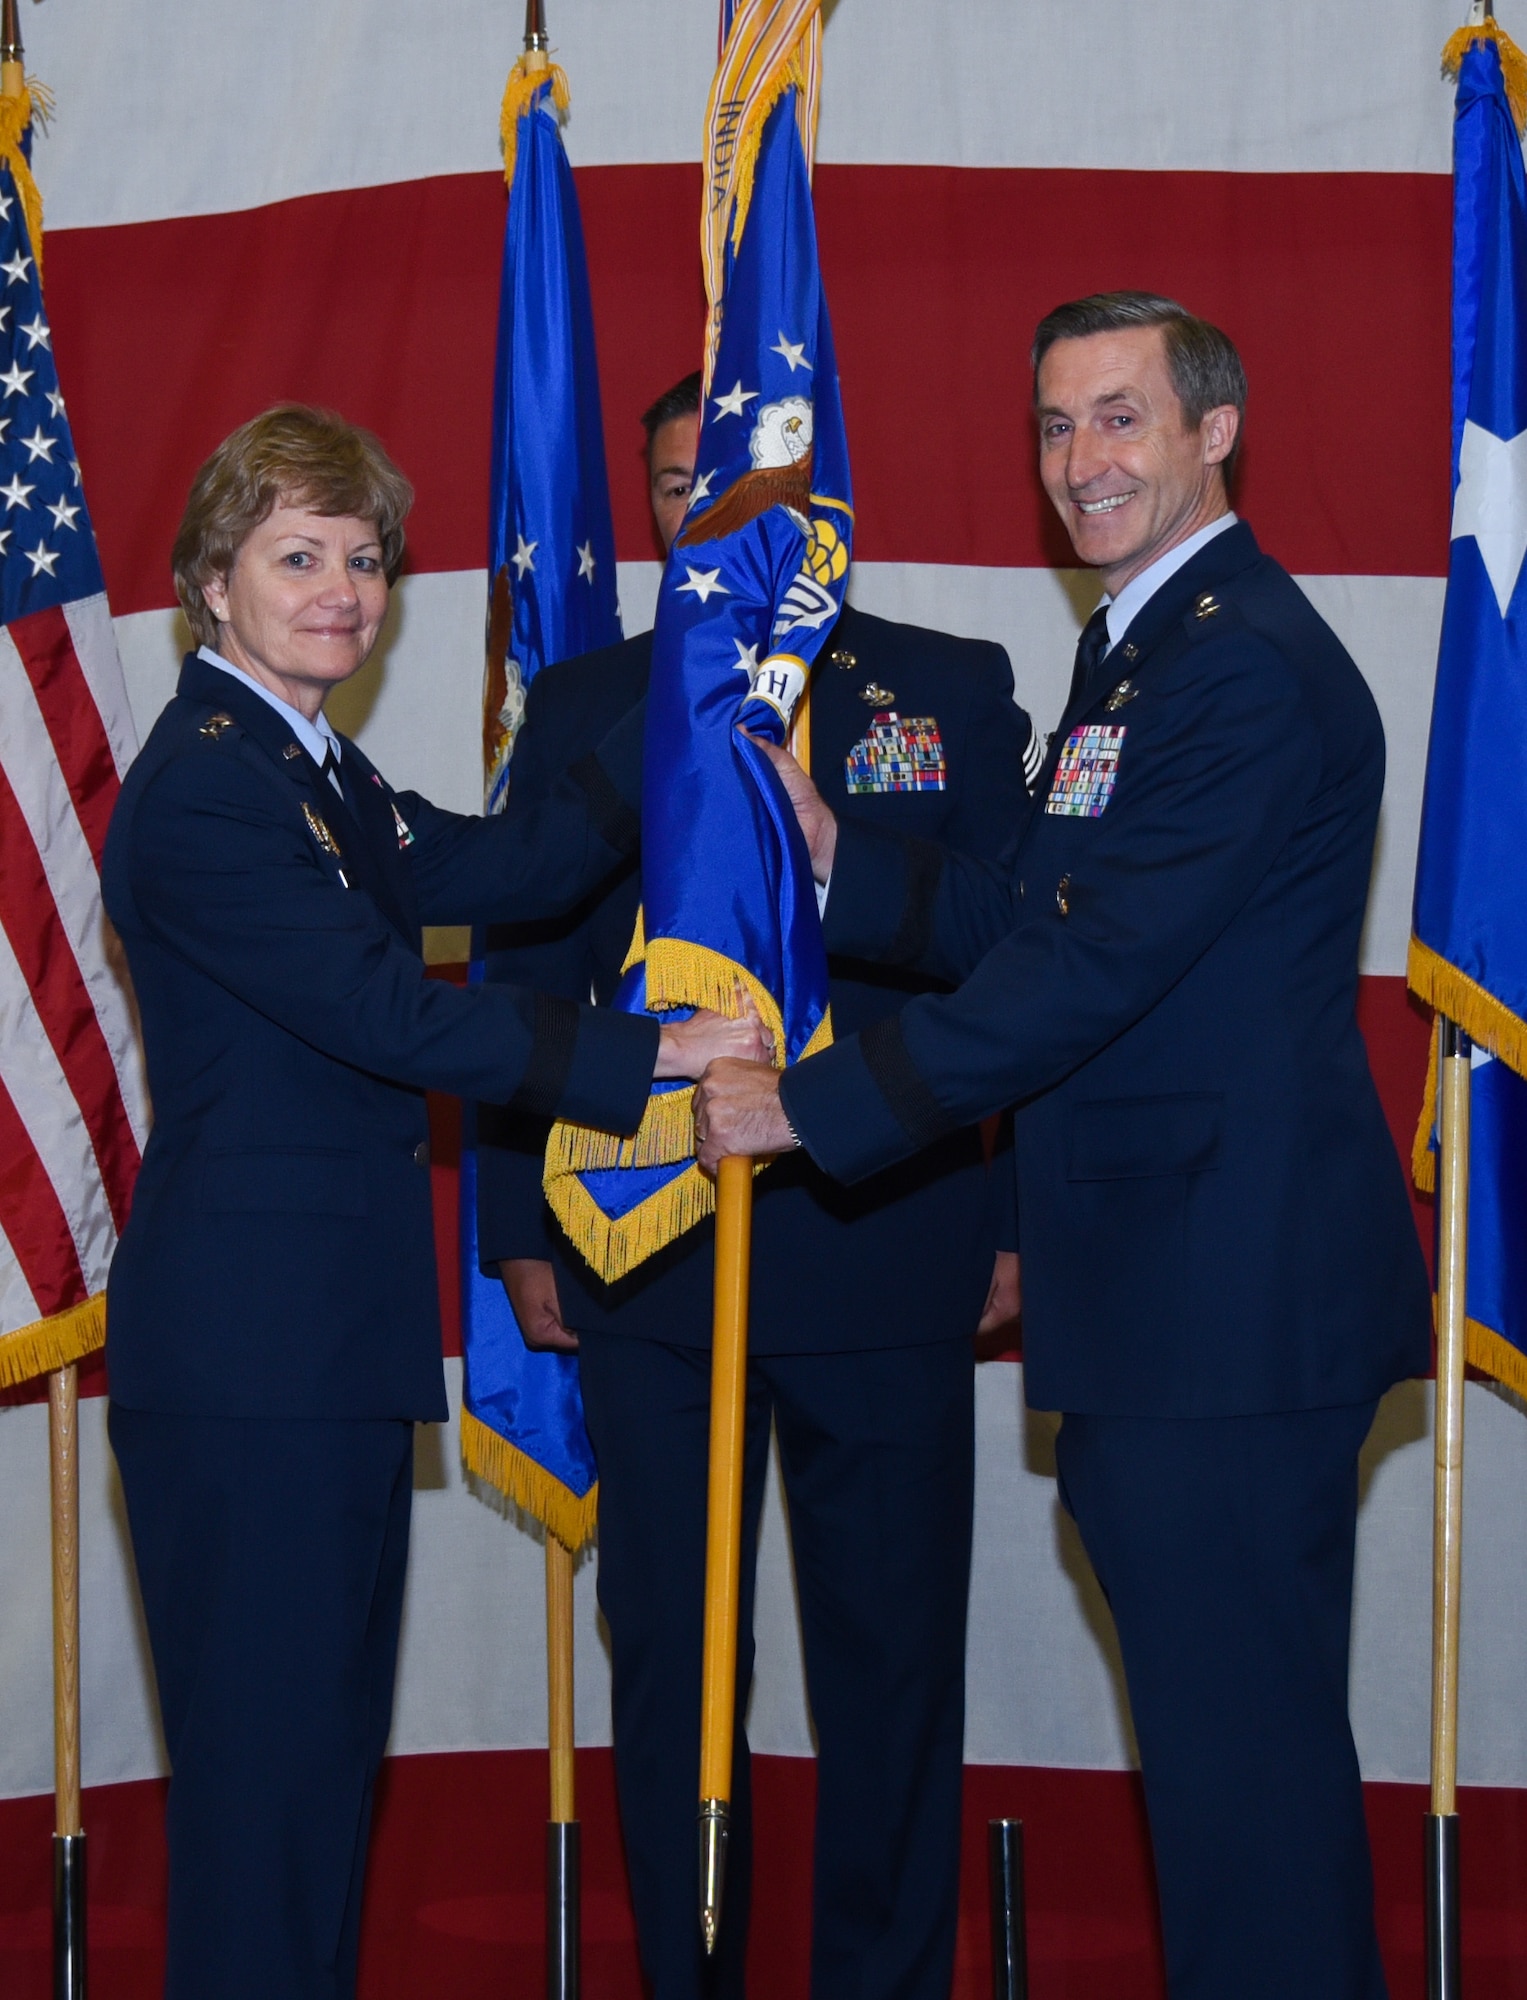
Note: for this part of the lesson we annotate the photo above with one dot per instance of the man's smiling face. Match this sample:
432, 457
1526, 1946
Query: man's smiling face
1126, 474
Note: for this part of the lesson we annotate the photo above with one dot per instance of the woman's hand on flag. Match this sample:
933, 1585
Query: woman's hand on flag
686, 1047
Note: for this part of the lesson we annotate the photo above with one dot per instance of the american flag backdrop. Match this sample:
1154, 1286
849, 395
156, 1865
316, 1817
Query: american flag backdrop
72, 1108
247, 204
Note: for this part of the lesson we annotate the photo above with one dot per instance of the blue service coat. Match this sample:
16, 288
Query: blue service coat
908, 1257
279, 1260
1214, 1219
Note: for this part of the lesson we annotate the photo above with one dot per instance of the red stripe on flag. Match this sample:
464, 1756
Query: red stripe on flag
73, 721
383, 302
31, 922
34, 1220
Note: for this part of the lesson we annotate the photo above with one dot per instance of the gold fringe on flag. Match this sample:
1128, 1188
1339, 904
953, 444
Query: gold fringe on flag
1482, 1017
679, 974
509, 1471
53, 1342
1495, 1356
1423, 1161
525, 79
1513, 63
15, 116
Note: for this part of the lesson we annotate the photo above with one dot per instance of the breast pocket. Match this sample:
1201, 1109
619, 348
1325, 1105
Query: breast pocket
1135, 1138
269, 1180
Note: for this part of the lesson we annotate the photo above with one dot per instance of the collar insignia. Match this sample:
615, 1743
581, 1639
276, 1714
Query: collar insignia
1129, 650
842, 657
876, 695
1206, 606
292, 750
320, 831
215, 725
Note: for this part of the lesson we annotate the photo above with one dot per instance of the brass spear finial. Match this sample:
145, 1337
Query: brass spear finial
12, 70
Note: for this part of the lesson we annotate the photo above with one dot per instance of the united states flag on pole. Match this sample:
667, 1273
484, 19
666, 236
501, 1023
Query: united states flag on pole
73, 1109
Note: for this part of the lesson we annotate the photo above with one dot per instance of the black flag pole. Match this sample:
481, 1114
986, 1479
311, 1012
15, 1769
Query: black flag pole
1444, 1957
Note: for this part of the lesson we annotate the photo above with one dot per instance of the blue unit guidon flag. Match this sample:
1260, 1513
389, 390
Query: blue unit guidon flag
751, 590
73, 1099
551, 569
1468, 951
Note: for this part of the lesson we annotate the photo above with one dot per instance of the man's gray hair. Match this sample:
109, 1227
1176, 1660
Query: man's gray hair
1205, 368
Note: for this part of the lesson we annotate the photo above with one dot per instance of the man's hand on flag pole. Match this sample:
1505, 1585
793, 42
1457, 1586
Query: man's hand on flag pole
531, 1283
817, 820
737, 1110
686, 1047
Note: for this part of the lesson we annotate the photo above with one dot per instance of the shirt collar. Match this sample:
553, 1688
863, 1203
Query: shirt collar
1140, 589
315, 737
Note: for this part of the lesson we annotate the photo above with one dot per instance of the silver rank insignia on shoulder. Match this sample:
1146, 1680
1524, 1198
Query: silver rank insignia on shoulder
1206, 606
215, 725
876, 695
842, 657
320, 831
405, 831
1125, 691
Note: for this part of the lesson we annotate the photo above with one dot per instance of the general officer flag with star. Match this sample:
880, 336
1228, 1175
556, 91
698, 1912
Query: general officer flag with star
1468, 952
551, 570
752, 587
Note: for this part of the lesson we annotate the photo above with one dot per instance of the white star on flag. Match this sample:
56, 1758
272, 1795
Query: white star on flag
40, 445
56, 401
63, 514
16, 377
729, 405
37, 332
703, 582
522, 557
586, 560
701, 488
5, 536
746, 661
17, 268
794, 352
16, 493
41, 558
1491, 504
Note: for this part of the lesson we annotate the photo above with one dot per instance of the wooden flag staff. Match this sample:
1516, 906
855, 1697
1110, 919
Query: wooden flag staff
1444, 1958
723, 1531
64, 1483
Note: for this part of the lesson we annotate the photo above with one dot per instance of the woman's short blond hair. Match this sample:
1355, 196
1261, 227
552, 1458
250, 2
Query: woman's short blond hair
294, 456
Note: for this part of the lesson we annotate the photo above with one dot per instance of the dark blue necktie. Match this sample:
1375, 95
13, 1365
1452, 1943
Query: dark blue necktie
1090, 651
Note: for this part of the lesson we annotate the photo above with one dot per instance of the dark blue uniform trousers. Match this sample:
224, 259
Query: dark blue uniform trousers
877, 1451
270, 1556
1225, 1547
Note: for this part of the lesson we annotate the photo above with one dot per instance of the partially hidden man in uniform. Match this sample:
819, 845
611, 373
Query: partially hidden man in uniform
1221, 1274
274, 1324
863, 1309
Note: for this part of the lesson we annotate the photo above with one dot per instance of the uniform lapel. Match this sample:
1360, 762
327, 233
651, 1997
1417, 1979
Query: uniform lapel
366, 856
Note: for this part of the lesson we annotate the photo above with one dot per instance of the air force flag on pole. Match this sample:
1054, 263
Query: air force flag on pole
551, 569
753, 586
1468, 952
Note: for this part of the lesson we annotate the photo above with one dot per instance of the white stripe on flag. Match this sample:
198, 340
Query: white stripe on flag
17, 1305
28, 759
45, 1105
95, 647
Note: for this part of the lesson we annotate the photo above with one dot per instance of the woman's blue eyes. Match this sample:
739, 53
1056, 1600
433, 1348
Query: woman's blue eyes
302, 559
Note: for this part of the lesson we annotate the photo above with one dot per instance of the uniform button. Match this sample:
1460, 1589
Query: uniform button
421, 1153
1063, 895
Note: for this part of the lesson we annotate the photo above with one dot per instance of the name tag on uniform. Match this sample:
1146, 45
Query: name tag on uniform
1087, 771
898, 754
